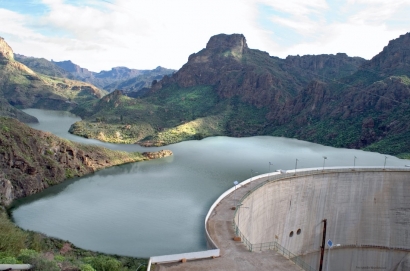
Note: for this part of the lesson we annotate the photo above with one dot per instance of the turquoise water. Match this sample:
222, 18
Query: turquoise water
158, 207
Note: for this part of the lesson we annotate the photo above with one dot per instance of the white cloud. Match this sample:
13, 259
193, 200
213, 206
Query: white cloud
355, 40
296, 7
145, 34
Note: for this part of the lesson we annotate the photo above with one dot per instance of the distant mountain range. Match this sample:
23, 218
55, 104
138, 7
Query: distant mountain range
21, 87
230, 89
123, 78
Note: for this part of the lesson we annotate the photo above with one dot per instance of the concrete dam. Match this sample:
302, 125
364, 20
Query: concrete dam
367, 213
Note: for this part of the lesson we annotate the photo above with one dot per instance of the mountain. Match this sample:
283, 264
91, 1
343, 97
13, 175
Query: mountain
143, 80
230, 89
43, 66
117, 78
21, 87
224, 89
368, 109
128, 80
232, 69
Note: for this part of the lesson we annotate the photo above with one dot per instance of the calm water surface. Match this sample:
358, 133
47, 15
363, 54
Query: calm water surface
158, 207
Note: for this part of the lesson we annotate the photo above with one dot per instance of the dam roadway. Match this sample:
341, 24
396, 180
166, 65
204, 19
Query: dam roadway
234, 254
366, 209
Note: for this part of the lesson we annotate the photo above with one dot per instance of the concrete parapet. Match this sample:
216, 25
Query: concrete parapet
367, 212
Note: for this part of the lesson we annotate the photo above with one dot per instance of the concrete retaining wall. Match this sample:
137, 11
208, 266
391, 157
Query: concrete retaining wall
363, 208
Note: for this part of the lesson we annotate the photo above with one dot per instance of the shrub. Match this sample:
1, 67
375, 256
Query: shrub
87, 267
8, 260
12, 239
104, 263
29, 256
59, 258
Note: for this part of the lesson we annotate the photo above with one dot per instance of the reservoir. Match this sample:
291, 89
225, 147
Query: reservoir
158, 207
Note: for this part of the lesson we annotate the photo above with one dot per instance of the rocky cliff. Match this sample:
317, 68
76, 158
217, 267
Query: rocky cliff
233, 69
31, 160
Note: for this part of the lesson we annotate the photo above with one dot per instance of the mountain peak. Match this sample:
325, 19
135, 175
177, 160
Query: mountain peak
225, 42
5, 50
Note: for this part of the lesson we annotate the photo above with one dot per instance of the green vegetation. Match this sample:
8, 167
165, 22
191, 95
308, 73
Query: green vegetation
45, 253
12, 239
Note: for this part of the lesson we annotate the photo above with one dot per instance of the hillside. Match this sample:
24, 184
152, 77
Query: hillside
7, 110
21, 87
32, 160
366, 110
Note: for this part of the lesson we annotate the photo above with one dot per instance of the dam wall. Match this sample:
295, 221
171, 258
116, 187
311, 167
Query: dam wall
367, 213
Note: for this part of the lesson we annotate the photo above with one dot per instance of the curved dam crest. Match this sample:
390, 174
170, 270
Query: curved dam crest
367, 213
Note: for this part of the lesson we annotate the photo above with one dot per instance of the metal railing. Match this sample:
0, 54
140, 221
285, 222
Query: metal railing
274, 246
292, 174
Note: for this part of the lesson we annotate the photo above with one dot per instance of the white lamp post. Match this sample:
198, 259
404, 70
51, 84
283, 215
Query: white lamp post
234, 193
270, 164
253, 175
296, 165
324, 159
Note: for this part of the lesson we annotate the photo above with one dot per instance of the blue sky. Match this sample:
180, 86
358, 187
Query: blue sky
143, 34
